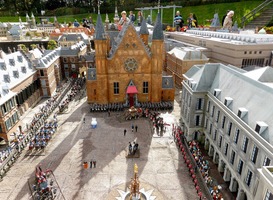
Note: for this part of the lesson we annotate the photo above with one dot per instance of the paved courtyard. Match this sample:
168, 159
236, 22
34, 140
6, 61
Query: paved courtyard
162, 170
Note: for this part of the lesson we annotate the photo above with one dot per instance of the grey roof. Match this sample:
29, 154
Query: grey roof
119, 38
15, 29
158, 32
188, 53
100, 33
167, 82
14, 69
143, 28
91, 74
75, 37
48, 59
250, 90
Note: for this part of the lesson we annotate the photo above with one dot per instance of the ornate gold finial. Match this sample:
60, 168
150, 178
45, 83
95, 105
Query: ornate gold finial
136, 168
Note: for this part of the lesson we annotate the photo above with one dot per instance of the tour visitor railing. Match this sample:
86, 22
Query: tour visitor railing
256, 10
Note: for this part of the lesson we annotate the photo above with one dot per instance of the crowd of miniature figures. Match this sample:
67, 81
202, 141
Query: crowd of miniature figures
22, 139
199, 162
45, 185
95, 107
75, 89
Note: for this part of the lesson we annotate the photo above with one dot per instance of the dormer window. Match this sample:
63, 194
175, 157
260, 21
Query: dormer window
228, 101
16, 74
6, 78
216, 92
3, 66
260, 127
24, 69
12, 62
20, 58
242, 112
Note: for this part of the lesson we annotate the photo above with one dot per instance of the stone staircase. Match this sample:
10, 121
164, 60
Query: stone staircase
261, 20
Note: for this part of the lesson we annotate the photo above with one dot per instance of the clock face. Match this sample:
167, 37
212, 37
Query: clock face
130, 65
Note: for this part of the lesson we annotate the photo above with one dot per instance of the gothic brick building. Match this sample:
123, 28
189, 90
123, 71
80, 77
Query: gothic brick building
128, 70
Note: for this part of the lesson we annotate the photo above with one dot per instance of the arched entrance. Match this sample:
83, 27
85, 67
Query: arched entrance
241, 195
216, 158
131, 94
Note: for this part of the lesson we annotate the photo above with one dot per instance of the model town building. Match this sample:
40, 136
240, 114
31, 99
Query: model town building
127, 70
27, 76
229, 110
237, 49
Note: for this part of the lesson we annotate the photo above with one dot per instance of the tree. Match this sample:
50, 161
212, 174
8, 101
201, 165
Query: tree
52, 44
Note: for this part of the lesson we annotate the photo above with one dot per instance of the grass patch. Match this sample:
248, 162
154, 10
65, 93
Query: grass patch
203, 13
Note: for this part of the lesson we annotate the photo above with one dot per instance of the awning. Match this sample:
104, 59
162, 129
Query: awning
131, 90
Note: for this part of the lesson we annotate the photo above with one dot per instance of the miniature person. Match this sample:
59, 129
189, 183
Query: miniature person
136, 128
94, 163
191, 21
91, 164
124, 132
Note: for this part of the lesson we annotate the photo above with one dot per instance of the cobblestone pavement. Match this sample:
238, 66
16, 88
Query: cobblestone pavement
161, 166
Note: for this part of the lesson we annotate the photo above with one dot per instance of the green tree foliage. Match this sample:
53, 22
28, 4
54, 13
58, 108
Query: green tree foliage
52, 44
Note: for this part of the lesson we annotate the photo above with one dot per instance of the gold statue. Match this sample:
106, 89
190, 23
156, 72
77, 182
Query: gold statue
134, 186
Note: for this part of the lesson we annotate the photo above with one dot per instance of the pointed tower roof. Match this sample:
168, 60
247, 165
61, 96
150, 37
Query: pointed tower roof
143, 28
99, 29
158, 32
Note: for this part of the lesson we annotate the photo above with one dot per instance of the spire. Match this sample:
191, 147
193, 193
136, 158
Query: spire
100, 34
27, 17
143, 27
116, 17
158, 5
158, 32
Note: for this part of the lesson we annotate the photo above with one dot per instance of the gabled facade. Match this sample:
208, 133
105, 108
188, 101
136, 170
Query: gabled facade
127, 70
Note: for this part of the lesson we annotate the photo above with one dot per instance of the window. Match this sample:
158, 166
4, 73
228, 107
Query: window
223, 121
218, 116
8, 124
212, 112
199, 104
240, 166
145, 87
1, 129
266, 161
248, 177
116, 87
254, 154
41, 72
197, 120
245, 143
208, 109
229, 128
215, 135
232, 157
210, 129
268, 195
220, 141
206, 123
226, 149
236, 136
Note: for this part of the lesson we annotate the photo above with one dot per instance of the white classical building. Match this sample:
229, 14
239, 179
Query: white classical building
230, 111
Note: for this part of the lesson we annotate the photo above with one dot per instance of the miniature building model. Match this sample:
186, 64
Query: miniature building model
128, 70
230, 111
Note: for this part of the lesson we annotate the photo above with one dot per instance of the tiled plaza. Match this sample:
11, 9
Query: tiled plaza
161, 167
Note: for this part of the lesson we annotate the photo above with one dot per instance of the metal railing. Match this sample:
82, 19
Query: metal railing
255, 11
